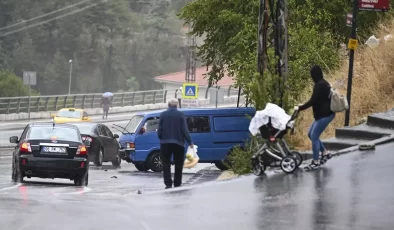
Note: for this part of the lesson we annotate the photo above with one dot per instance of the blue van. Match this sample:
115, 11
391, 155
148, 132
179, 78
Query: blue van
214, 130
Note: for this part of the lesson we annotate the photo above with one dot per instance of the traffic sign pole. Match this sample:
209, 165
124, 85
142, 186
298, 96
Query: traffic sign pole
352, 48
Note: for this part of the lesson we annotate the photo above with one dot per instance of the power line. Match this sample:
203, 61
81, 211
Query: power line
44, 15
49, 20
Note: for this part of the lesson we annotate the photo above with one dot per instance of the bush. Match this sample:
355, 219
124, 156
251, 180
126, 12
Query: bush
240, 159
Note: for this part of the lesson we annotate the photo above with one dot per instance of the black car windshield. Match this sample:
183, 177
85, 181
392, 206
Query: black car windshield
133, 124
69, 114
57, 133
85, 128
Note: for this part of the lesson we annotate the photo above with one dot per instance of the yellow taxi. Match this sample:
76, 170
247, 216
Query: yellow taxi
70, 115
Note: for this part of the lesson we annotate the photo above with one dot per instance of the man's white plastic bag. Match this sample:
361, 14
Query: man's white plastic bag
191, 157
279, 118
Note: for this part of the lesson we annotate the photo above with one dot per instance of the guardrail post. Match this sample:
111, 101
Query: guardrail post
83, 101
65, 102
56, 100
19, 105
38, 104
165, 96
229, 90
74, 99
154, 97
94, 96
132, 99
206, 92
8, 107
143, 98
217, 95
46, 104
122, 100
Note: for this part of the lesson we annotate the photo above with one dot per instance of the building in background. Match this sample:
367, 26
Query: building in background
173, 81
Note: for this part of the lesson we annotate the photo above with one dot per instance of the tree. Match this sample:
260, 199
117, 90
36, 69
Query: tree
11, 85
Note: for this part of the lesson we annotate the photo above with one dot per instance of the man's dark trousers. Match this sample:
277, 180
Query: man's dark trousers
179, 157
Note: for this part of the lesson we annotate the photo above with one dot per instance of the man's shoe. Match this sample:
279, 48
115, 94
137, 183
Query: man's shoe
168, 187
177, 186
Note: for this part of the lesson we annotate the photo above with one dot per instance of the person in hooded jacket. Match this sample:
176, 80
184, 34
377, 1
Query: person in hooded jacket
320, 102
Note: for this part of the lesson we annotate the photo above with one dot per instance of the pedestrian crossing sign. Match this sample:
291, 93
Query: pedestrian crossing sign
190, 91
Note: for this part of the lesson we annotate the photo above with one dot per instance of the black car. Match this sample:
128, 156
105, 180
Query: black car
103, 144
48, 150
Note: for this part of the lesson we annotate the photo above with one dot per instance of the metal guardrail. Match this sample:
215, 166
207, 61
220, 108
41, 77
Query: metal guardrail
55, 102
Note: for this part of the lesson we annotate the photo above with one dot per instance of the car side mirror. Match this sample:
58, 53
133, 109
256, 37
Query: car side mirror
86, 142
142, 130
116, 136
53, 115
14, 139
85, 118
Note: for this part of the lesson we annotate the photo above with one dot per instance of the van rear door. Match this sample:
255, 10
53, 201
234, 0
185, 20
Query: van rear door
201, 133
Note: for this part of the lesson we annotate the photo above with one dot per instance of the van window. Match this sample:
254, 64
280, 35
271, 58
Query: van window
151, 124
231, 124
198, 124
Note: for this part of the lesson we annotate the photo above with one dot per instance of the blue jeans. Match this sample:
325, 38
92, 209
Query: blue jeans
316, 129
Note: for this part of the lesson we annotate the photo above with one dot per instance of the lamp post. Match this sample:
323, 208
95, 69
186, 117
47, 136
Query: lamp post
71, 71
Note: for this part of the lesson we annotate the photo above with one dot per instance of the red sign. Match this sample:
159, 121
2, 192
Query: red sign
374, 5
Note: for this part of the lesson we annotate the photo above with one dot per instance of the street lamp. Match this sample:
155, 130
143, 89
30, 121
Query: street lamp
71, 71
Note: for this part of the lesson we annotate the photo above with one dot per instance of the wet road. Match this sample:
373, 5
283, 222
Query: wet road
353, 191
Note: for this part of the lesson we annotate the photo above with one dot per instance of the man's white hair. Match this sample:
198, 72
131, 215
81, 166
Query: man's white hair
173, 102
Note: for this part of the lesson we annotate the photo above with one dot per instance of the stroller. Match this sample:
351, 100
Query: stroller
275, 149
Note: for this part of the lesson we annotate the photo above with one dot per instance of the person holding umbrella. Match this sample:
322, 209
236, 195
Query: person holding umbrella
106, 103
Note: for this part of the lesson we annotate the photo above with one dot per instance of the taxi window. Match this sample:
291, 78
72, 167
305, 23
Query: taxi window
69, 114
57, 133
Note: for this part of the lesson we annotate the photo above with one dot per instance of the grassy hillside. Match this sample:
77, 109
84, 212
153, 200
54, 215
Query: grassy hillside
373, 87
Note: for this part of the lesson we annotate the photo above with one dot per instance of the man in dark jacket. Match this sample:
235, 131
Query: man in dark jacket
320, 102
173, 132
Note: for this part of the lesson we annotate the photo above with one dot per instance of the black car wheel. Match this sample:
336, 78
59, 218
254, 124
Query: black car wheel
156, 162
141, 167
17, 175
98, 160
82, 180
117, 161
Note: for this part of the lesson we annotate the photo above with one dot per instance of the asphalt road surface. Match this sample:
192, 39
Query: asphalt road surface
353, 191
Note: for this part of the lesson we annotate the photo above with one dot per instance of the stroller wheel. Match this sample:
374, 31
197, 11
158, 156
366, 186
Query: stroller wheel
258, 167
297, 156
288, 164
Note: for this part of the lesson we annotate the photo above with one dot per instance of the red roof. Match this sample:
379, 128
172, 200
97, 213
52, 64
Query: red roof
179, 77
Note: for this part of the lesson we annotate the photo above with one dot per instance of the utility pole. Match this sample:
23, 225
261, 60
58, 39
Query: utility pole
190, 76
352, 46
272, 33
70, 77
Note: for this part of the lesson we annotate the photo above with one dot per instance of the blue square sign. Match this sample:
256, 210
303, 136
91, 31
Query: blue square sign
190, 91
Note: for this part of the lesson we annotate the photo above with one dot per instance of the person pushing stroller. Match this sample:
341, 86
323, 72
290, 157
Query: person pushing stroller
320, 103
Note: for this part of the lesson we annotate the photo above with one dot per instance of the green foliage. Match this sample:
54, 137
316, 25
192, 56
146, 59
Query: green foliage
12, 86
240, 157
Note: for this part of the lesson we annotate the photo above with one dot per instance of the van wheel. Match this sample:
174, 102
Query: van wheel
220, 165
143, 167
155, 162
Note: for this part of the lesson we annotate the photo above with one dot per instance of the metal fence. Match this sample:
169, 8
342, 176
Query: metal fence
55, 102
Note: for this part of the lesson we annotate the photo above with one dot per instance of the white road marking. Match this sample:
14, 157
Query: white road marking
84, 190
145, 225
9, 188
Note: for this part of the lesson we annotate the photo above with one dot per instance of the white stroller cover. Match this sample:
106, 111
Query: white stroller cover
279, 118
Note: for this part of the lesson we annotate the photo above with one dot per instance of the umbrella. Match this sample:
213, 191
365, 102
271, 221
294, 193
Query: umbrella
108, 94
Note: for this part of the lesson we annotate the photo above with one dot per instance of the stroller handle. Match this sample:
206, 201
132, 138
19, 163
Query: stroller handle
294, 115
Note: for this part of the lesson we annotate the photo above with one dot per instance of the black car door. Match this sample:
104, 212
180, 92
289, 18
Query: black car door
114, 146
105, 142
